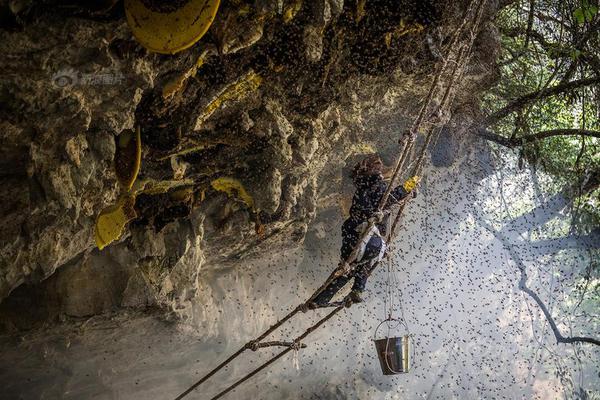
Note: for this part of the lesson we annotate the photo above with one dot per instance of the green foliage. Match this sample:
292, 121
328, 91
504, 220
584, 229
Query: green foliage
585, 13
562, 45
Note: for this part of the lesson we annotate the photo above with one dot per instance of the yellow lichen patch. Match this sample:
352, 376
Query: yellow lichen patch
233, 187
291, 10
128, 158
360, 10
112, 220
193, 145
152, 187
405, 29
176, 84
362, 148
388, 39
233, 92
169, 28
182, 195
402, 30
244, 9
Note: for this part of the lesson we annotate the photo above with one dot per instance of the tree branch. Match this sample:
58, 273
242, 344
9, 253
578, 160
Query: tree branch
563, 50
538, 95
559, 337
573, 241
523, 287
529, 22
592, 178
520, 141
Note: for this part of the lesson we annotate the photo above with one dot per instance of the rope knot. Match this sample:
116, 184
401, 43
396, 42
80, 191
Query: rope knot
252, 345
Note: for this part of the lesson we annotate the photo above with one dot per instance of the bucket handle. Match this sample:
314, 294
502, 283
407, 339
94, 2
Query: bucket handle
388, 320
400, 322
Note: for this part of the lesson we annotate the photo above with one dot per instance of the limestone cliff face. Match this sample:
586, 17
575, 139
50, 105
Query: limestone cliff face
278, 96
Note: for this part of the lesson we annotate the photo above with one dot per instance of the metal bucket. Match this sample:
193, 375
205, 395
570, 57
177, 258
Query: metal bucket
394, 354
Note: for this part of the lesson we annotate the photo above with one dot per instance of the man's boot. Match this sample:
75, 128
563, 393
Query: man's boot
310, 305
353, 297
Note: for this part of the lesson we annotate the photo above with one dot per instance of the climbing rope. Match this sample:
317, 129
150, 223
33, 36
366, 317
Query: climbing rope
392, 281
278, 356
406, 143
458, 69
409, 137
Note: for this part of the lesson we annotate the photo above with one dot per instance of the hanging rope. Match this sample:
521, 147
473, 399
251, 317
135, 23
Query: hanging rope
406, 142
462, 58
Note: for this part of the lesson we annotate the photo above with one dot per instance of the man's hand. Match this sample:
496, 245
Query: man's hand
377, 217
411, 183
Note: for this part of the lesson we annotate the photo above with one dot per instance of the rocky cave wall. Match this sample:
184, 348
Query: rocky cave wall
280, 96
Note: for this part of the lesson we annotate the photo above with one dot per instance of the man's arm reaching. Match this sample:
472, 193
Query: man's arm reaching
401, 191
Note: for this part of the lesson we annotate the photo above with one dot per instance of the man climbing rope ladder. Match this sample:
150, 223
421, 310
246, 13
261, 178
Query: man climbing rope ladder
367, 176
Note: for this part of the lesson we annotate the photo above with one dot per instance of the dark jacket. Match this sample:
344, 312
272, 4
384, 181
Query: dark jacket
369, 191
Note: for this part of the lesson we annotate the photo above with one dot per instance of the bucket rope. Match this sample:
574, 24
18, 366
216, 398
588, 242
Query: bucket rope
392, 280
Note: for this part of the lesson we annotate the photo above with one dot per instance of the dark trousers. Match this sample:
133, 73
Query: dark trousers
360, 274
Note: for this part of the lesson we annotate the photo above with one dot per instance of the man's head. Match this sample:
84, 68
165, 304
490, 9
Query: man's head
370, 165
